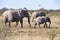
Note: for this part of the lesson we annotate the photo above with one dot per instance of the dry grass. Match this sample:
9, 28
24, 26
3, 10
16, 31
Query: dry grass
26, 33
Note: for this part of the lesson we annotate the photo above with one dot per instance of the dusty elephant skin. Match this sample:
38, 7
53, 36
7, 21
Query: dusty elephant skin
15, 16
37, 14
42, 20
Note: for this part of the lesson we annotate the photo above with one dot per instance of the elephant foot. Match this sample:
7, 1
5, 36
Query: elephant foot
34, 27
9, 26
21, 26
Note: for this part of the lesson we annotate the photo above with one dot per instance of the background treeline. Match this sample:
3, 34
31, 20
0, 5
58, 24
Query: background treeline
50, 12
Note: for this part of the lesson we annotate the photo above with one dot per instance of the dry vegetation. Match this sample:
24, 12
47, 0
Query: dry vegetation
26, 33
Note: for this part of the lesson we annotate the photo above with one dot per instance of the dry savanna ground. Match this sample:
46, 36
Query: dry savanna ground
26, 33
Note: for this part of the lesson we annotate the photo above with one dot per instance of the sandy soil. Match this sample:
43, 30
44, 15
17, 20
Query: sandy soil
26, 33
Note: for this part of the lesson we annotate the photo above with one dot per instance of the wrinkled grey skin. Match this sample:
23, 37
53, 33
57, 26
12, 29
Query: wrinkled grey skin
42, 20
37, 14
15, 16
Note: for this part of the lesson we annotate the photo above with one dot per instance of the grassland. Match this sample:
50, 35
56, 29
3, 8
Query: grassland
26, 33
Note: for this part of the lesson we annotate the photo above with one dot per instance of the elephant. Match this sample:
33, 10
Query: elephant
15, 16
42, 20
37, 14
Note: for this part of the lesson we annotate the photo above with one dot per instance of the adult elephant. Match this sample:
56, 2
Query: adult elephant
15, 16
37, 14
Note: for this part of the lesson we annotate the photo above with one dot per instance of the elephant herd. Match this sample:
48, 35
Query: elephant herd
18, 15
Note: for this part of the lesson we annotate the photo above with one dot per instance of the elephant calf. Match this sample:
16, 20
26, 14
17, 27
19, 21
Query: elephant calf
41, 20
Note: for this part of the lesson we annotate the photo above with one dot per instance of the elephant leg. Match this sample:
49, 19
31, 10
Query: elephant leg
44, 25
29, 22
16, 24
5, 23
49, 25
21, 21
35, 25
39, 25
9, 23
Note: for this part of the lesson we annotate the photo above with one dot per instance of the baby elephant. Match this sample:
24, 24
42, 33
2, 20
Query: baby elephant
42, 20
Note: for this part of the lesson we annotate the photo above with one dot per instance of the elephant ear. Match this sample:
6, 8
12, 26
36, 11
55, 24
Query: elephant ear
19, 11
